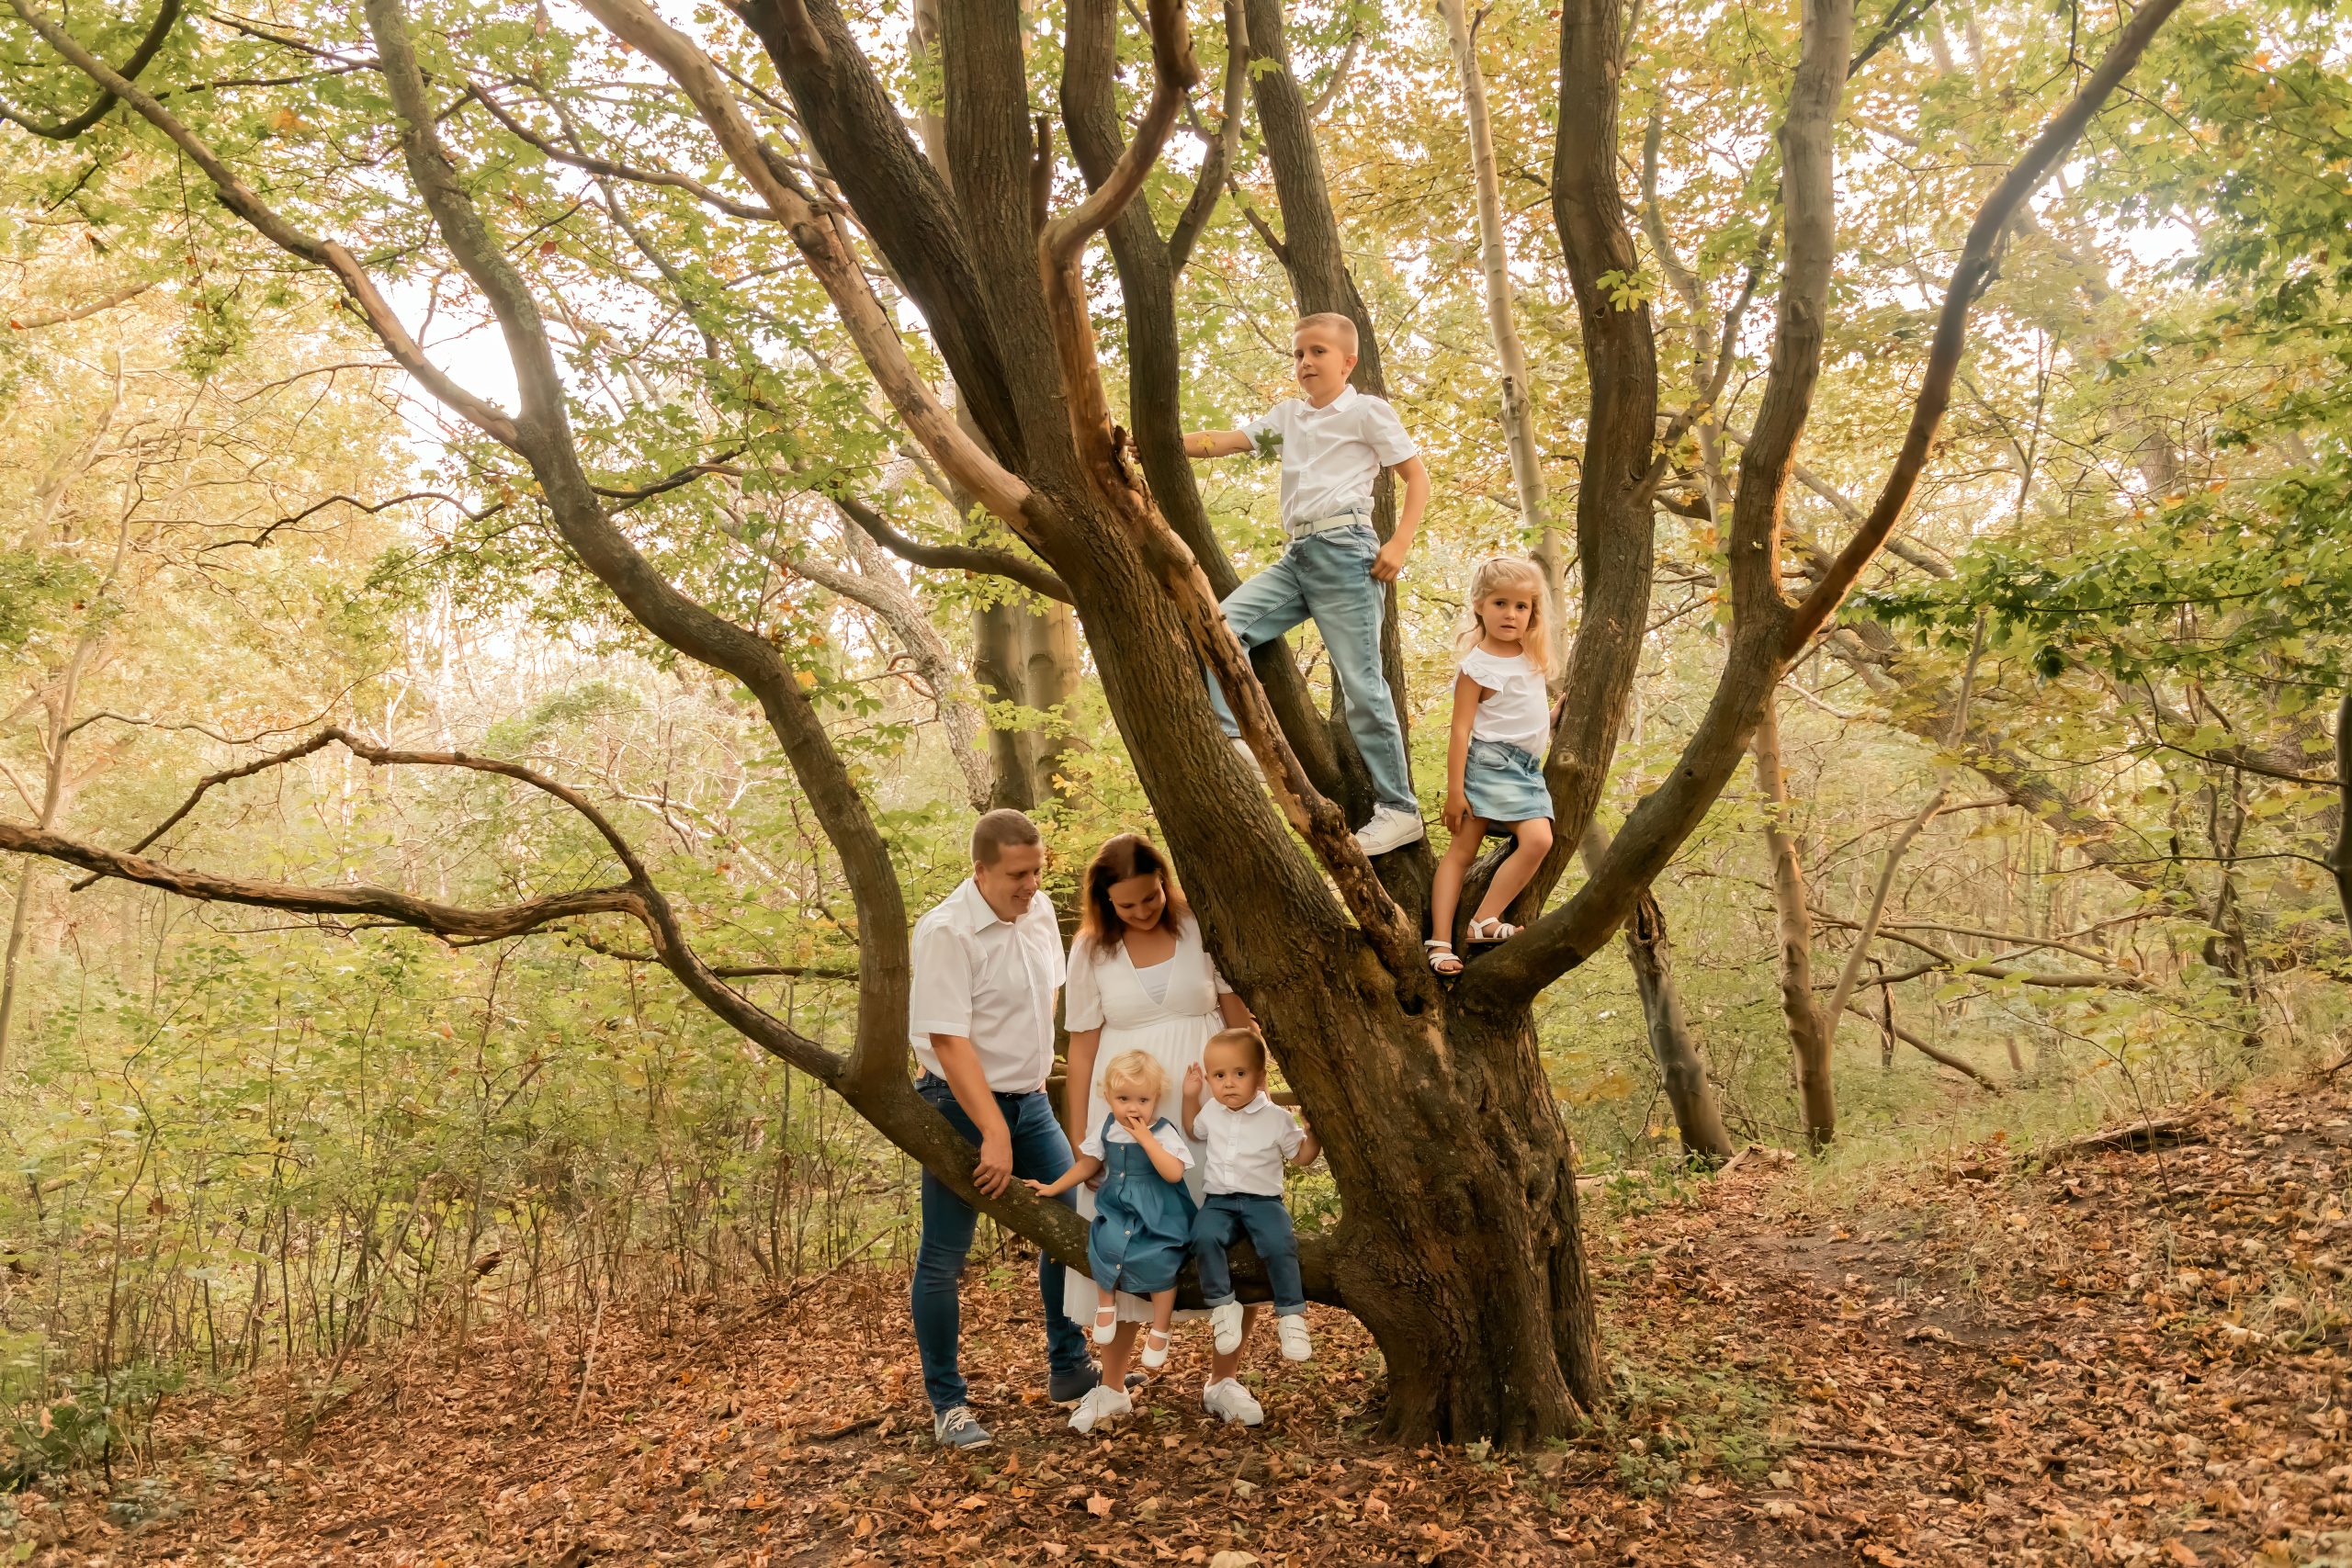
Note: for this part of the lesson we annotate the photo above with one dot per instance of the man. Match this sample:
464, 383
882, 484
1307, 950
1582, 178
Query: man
987, 963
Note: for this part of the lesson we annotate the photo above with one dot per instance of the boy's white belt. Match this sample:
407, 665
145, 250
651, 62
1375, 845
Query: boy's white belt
1325, 525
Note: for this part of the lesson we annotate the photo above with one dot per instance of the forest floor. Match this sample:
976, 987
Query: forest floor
2117, 1355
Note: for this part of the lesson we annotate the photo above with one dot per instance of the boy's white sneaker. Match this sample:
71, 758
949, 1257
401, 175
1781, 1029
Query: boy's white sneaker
1101, 1406
1290, 1329
1391, 827
1228, 1401
1241, 750
1224, 1322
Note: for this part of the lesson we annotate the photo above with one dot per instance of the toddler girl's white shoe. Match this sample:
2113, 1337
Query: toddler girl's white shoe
1228, 1401
1224, 1322
1155, 1348
1291, 1330
1099, 1405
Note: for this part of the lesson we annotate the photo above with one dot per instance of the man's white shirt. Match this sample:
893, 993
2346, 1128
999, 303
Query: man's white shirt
1246, 1147
1332, 454
990, 981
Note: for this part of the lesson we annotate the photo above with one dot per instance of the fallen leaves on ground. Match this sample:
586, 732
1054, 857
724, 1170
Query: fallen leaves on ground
2133, 1357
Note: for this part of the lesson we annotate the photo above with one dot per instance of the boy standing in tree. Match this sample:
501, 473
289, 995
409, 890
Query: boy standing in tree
1333, 442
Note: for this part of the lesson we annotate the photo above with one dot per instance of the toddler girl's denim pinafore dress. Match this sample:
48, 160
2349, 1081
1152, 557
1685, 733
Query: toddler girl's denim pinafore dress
1143, 1222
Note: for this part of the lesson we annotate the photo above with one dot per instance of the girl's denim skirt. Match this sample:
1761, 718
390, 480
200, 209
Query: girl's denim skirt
1504, 783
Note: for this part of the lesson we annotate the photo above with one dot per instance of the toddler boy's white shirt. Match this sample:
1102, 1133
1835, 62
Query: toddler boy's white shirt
1516, 711
1164, 1133
1248, 1147
1332, 454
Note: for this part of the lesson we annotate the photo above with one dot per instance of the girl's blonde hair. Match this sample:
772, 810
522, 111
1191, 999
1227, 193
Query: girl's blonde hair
1494, 574
1137, 1070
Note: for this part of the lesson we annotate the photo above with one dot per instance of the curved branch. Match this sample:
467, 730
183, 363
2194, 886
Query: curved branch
82, 311
1210, 185
239, 198
139, 60
1035, 576
1969, 279
377, 903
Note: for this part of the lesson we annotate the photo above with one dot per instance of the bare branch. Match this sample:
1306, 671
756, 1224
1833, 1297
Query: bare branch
594, 165
1032, 575
1969, 279
82, 311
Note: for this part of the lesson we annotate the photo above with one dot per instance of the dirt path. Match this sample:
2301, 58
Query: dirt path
2133, 1357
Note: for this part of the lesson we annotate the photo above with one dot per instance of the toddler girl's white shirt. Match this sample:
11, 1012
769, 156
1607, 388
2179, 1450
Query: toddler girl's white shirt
1332, 454
1515, 711
1163, 1132
1246, 1147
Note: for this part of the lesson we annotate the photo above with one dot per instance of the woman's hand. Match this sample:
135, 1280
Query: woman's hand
1457, 810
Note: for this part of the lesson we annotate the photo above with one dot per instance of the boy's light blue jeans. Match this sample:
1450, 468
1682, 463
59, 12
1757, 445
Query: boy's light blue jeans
1328, 577
1040, 1152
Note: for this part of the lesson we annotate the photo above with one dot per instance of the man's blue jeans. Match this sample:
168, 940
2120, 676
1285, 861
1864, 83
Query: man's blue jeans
1223, 1216
1041, 1152
1329, 577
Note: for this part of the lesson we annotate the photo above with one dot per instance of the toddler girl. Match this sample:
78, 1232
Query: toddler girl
1143, 1215
1494, 768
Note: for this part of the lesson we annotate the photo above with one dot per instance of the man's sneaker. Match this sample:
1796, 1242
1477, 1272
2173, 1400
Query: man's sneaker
1224, 1322
1290, 1329
1391, 827
1067, 1385
955, 1427
1228, 1401
1100, 1407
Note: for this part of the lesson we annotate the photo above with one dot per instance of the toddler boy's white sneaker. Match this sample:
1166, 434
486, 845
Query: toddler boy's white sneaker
1100, 1407
1291, 1330
1228, 1401
1224, 1322
1391, 827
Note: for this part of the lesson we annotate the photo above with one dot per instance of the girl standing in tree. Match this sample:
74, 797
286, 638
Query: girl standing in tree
1494, 768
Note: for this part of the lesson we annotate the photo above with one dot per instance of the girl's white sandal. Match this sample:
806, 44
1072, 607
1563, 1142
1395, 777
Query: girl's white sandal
1443, 958
1483, 932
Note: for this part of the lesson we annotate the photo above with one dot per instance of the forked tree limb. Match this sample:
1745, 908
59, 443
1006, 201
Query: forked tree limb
1209, 184
139, 59
556, 152
1956, 1064
1035, 576
1969, 278
1660, 821
825, 246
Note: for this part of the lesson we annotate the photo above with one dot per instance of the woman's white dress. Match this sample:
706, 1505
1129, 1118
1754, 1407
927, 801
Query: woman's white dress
1112, 995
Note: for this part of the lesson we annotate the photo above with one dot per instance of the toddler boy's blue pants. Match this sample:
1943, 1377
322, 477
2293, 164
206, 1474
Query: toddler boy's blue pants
1328, 577
1227, 1215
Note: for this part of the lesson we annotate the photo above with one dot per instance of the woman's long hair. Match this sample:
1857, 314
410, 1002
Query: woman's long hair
1128, 856
1494, 574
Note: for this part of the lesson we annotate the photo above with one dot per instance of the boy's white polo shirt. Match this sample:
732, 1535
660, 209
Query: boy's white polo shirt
1332, 454
990, 981
1246, 1147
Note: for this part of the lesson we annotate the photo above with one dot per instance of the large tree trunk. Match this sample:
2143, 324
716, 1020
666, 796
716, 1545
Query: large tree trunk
1809, 1035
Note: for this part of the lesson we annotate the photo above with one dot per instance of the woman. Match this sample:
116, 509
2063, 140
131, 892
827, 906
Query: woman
1140, 980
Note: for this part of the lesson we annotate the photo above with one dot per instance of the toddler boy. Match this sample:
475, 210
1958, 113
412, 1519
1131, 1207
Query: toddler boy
1249, 1138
